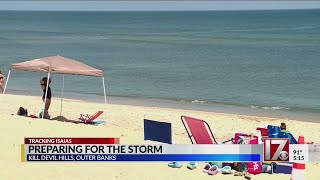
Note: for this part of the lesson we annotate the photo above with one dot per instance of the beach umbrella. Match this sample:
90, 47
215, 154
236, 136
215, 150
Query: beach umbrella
57, 65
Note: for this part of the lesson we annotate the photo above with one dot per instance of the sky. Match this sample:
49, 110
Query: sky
155, 5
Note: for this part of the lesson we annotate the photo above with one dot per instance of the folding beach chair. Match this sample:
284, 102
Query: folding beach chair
86, 118
273, 131
157, 131
198, 131
264, 132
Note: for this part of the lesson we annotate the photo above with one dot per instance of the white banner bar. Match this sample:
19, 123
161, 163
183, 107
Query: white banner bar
142, 149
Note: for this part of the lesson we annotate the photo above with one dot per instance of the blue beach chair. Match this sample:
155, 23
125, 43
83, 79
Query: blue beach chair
159, 131
273, 131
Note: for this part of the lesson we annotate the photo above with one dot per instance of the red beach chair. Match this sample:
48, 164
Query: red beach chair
87, 118
264, 131
198, 131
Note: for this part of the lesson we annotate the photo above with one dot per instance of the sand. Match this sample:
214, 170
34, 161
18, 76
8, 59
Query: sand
125, 122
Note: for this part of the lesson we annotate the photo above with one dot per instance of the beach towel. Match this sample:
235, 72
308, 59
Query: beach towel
254, 167
97, 122
32, 116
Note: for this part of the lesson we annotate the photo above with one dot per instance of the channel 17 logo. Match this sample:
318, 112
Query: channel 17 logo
276, 149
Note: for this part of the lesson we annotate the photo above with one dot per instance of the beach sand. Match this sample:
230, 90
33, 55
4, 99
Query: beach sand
125, 122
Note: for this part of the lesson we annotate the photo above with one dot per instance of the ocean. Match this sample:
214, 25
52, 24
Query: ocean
260, 62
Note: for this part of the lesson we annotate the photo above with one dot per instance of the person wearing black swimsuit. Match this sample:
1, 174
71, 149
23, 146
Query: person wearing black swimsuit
43, 83
1, 82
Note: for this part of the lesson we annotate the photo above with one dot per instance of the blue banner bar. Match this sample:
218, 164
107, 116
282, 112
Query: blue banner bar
146, 157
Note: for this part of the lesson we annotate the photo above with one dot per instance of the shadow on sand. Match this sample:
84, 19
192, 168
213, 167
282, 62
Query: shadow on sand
63, 119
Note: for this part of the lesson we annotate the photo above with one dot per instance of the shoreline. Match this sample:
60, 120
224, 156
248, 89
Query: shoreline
124, 122
189, 106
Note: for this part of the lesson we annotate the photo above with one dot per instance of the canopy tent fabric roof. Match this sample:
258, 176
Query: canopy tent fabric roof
57, 65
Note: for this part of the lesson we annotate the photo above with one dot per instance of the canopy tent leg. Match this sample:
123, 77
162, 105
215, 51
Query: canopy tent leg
62, 94
105, 95
45, 97
104, 90
5, 86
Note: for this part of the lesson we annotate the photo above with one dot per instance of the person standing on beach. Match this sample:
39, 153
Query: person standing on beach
44, 82
1, 82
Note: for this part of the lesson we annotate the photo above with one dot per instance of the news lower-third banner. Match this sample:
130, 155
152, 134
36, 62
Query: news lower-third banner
109, 150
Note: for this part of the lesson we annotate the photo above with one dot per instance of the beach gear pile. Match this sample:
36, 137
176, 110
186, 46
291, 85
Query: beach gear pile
254, 168
246, 169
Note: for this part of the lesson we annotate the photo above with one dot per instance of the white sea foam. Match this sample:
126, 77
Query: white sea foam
269, 108
274, 29
199, 101
275, 108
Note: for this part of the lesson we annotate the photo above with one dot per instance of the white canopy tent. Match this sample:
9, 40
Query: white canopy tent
57, 65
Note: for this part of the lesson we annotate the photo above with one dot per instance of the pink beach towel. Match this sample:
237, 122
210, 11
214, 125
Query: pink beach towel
254, 167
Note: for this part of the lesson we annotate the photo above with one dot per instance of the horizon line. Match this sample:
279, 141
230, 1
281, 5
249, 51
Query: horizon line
159, 10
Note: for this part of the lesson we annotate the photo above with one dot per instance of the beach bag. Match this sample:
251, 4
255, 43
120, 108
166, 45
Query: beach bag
254, 167
282, 168
22, 112
238, 166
